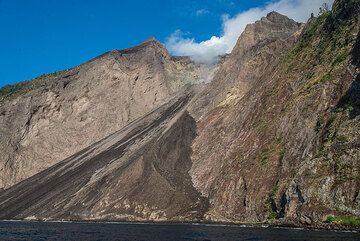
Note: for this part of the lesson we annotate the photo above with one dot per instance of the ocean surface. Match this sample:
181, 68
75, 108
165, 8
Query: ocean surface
22, 230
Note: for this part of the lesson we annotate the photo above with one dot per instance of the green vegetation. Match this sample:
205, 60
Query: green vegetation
341, 57
270, 202
11, 89
326, 77
345, 108
275, 149
54, 74
282, 153
342, 138
324, 48
344, 220
331, 120
264, 156
274, 191
309, 34
8, 89
319, 124
344, 172
273, 215
338, 110
309, 75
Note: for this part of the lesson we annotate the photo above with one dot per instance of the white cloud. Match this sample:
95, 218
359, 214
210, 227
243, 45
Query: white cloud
208, 51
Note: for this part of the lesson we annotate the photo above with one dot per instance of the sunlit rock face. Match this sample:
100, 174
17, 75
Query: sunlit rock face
59, 114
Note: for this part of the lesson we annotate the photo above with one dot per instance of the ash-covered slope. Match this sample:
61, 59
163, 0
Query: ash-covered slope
137, 173
52, 117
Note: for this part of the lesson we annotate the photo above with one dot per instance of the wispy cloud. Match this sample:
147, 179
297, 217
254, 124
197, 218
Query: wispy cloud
209, 50
201, 12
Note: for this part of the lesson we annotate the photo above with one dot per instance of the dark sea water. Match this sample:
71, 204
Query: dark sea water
19, 230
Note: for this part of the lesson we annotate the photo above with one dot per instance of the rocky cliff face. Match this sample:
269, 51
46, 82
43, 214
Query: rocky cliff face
257, 49
255, 54
57, 115
274, 135
283, 148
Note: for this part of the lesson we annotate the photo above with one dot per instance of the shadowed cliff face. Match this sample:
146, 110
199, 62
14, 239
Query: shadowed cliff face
240, 82
284, 148
274, 136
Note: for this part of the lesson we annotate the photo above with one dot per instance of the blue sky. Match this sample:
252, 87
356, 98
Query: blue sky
42, 36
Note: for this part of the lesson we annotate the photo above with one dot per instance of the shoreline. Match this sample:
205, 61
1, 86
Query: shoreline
317, 227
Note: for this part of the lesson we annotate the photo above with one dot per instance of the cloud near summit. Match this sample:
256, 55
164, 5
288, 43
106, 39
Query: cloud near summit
208, 51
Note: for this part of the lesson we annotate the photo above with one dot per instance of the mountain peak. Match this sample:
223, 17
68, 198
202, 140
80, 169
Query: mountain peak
274, 16
149, 43
150, 40
273, 26
272, 13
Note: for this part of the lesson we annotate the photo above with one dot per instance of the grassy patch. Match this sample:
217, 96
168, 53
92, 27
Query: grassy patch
340, 57
309, 34
342, 138
8, 89
309, 75
326, 78
274, 191
274, 150
282, 153
264, 156
344, 220
323, 49
15, 88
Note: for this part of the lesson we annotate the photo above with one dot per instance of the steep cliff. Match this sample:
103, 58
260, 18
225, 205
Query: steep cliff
54, 116
287, 146
256, 53
257, 49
